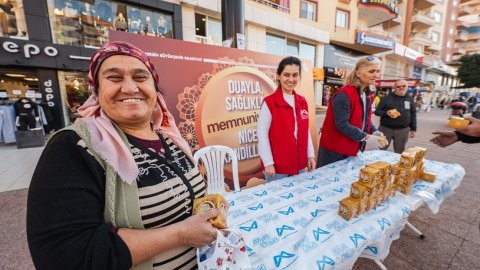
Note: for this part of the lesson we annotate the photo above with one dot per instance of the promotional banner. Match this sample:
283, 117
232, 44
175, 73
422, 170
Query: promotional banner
215, 93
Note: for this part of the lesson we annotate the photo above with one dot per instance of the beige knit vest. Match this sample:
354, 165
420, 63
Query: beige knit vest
122, 208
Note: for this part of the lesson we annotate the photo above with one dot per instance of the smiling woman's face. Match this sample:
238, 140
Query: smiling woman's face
126, 90
368, 74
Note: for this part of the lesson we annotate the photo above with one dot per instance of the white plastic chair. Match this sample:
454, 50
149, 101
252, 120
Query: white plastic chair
214, 159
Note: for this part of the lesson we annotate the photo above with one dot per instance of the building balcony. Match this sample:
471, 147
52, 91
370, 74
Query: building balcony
282, 6
424, 4
459, 50
467, 24
422, 39
462, 36
465, 10
393, 22
466, 36
472, 47
375, 13
433, 48
421, 21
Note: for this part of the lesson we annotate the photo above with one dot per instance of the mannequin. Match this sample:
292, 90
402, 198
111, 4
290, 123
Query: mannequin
27, 114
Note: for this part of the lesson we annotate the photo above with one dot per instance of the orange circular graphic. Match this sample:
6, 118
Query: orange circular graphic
227, 113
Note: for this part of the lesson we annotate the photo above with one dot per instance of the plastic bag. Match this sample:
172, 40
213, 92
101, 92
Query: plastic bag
227, 252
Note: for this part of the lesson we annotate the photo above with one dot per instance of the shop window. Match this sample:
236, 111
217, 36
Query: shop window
86, 23
342, 18
12, 19
208, 30
308, 10
74, 90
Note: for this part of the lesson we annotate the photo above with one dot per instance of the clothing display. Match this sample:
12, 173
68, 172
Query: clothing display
26, 110
7, 124
108, 202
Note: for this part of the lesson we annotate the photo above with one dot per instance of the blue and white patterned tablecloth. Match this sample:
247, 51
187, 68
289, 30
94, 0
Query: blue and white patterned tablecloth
293, 223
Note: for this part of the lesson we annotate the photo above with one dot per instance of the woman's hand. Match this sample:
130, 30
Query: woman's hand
311, 163
196, 231
444, 138
270, 171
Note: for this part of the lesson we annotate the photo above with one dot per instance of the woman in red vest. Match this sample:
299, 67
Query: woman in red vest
284, 140
347, 127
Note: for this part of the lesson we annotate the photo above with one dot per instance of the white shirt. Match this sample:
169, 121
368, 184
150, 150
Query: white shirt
263, 128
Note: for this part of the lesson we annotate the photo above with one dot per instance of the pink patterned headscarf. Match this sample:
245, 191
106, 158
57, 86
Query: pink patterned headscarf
104, 138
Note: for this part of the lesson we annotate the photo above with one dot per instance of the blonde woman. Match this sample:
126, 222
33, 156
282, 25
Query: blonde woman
348, 128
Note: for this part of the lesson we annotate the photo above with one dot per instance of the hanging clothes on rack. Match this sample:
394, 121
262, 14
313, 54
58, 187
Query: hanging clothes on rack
7, 124
27, 113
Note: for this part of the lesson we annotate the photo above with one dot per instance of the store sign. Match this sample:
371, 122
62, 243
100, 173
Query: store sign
240, 41
417, 72
28, 49
49, 93
364, 38
405, 51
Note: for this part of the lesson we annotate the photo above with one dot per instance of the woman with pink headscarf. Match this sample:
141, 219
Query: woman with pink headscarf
115, 190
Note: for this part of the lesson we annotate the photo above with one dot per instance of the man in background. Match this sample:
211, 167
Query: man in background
398, 117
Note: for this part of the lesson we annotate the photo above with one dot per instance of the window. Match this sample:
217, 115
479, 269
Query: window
342, 18
292, 47
86, 23
275, 44
437, 16
451, 30
455, 3
286, 46
448, 57
449, 44
308, 10
435, 36
453, 17
12, 17
208, 30
307, 51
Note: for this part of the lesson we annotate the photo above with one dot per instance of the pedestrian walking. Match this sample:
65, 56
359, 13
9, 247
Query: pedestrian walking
398, 117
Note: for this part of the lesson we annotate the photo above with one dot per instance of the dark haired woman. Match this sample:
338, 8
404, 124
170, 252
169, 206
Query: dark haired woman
284, 141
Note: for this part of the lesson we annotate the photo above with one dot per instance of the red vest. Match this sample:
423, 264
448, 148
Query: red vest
289, 154
334, 140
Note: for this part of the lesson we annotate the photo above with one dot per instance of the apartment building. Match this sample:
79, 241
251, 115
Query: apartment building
467, 29
278, 27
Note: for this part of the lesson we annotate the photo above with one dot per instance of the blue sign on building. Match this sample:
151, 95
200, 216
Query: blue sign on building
364, 38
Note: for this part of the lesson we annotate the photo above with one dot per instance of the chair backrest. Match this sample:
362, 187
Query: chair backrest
214, 159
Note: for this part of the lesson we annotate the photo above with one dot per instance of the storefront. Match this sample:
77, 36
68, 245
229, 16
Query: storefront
46, 46
339, 61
